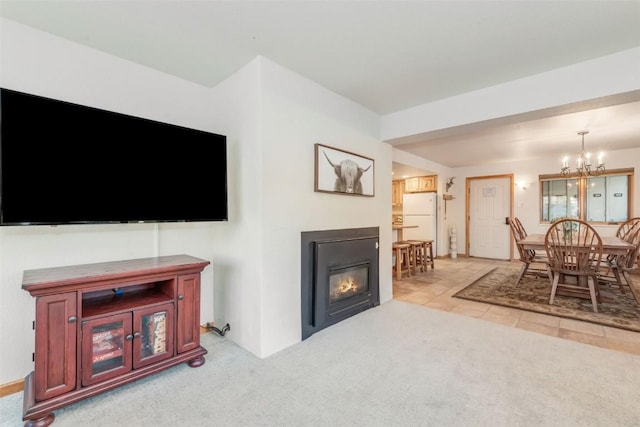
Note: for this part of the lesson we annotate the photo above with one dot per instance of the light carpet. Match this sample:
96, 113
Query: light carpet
618, 310
397, 364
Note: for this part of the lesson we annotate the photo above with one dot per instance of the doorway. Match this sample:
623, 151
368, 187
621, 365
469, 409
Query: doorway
489, 204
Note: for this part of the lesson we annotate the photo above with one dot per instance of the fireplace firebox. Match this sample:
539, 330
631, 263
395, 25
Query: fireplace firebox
339, 276
348, 282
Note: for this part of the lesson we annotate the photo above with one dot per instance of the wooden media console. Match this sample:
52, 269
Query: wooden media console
100, 326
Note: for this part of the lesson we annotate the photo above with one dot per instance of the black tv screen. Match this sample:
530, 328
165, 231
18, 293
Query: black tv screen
64, 163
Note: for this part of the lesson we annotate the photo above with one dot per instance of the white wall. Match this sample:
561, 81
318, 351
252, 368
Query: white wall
608, 75
38, 63
272, 118
297, 114
539, 95
527, 201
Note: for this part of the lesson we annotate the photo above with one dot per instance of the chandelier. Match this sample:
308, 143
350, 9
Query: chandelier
584, 166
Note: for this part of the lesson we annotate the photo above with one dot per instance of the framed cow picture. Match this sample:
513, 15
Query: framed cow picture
342, 172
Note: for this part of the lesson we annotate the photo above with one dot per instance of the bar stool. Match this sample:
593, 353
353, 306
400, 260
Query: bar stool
419, 248
428, 253
402, 265
412, 256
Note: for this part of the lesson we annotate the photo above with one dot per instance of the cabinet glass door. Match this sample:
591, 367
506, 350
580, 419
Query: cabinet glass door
106, 348
153, 334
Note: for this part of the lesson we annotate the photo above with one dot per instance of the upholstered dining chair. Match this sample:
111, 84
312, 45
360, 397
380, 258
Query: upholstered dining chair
628, 231
574, 249
532, 263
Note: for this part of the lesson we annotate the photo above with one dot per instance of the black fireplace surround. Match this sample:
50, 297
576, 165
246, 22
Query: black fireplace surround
339, 276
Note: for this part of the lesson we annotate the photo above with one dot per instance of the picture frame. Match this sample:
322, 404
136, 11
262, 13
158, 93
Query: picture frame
342, 172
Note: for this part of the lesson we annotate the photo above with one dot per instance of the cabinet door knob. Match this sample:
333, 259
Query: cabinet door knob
72, 319
180, 297
128, 337
136, 334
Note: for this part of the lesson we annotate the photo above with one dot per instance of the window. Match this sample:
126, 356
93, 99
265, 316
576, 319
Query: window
599, 199
560, 199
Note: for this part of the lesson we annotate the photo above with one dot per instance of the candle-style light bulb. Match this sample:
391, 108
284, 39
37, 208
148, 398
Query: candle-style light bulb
584, 165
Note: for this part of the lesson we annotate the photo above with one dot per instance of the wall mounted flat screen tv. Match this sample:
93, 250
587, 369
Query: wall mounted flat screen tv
64, 163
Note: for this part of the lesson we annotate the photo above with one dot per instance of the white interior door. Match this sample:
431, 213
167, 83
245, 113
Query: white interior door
489, 206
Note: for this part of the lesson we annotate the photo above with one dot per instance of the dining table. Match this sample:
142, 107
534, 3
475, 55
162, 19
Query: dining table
611, 245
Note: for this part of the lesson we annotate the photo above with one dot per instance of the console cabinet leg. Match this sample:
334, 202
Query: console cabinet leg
198, 361
41, 422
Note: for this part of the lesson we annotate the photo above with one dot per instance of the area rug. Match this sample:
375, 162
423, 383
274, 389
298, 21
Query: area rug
497, 287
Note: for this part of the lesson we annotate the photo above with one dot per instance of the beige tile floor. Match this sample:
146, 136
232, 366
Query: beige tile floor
435, 289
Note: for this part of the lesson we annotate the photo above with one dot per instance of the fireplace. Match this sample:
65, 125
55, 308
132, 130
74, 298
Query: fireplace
339, 276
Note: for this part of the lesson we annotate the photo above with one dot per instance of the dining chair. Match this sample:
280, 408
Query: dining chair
532, 263
574, 249
520, 227
616, 265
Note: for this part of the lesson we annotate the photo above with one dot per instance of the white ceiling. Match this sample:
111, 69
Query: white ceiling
384, 55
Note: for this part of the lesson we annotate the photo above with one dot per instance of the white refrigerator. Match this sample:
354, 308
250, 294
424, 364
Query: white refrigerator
420, 209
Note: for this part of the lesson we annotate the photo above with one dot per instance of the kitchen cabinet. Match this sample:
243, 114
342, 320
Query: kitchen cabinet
397, 190
421, 184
